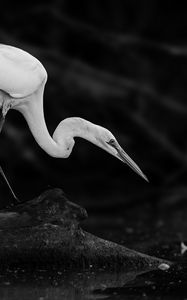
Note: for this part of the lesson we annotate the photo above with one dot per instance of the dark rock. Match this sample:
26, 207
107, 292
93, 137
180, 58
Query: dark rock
45, 232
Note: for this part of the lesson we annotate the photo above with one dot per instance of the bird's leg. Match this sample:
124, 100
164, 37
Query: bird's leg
2, 119
6, 105
4, 109
7, 182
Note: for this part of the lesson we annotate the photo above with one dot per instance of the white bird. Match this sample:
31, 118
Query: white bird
22, 82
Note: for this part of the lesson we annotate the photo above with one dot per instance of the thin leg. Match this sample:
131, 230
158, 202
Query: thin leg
6, 105
6, 180
2, 120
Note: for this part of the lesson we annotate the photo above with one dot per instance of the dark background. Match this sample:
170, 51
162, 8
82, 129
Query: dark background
120, 64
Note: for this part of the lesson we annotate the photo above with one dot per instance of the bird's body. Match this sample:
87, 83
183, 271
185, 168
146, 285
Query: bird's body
21, 74
22, 83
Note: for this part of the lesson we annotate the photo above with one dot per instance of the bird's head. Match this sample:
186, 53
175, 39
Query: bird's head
106, 140
70, 128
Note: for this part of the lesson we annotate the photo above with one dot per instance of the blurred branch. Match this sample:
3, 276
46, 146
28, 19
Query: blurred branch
112, 39
159, 137
88, 77
174, 195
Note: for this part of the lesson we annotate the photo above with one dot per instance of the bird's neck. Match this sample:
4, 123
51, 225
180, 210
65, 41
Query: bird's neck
32, 110
75, 127
62, 142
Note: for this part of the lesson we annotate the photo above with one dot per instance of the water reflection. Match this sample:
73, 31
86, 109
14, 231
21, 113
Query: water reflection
58, 285
149, 232
21, 284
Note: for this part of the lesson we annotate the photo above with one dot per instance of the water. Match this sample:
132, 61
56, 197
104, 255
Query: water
56, 285
157, 231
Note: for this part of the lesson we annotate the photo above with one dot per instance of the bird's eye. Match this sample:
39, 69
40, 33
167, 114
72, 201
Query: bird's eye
111, 142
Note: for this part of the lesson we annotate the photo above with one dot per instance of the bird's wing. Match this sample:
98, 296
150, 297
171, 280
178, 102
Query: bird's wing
20, 73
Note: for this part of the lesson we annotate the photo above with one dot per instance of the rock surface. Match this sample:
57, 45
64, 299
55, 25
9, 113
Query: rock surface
45, 232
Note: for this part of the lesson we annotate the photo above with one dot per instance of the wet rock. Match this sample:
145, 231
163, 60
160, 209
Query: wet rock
45, 232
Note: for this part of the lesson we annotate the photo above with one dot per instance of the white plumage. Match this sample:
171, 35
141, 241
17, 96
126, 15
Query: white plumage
20, 73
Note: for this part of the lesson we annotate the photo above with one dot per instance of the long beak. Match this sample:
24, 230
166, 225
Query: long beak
124, 157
